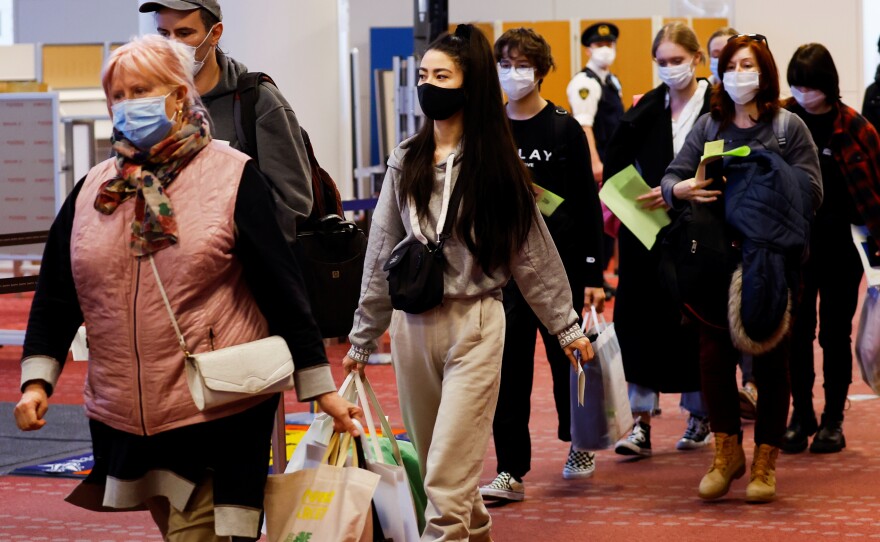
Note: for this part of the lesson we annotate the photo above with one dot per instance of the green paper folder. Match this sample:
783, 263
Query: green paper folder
619, 193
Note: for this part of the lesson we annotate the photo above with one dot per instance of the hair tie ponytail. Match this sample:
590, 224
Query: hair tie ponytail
464, 31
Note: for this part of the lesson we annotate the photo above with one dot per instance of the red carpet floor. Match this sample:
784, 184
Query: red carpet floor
833, 497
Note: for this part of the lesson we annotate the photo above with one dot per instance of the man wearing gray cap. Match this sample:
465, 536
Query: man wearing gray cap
279, 147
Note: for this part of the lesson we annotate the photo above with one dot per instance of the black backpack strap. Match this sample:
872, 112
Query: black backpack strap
560, 142
244, 110
780, 126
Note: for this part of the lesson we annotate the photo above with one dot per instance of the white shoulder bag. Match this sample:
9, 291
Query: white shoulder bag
218, 377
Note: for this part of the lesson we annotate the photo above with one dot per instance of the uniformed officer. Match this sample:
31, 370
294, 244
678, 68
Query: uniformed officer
595, 93
595, 98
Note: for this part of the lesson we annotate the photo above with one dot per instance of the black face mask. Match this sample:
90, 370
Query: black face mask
440, 103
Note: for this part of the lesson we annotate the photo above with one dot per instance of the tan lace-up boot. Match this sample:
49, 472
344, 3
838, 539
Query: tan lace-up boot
728, 465
762, 482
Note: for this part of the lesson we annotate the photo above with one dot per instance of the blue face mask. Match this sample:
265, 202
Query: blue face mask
713, 67
142, 121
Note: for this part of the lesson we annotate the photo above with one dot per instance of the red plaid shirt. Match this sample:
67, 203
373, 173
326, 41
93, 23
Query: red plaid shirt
856, 147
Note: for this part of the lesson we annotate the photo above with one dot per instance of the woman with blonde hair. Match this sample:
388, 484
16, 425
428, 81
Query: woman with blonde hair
650, 135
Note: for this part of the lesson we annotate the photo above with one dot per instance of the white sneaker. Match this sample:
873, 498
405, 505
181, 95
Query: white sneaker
579, 465
504, 487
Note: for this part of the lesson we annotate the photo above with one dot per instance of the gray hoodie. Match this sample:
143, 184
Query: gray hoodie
282, 153
536, 268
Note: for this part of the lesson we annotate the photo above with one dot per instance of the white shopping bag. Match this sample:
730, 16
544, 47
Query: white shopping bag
321, 428
393, 499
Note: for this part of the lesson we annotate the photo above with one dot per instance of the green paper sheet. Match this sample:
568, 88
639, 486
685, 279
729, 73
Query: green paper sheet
547, 200
715, 149
619, 193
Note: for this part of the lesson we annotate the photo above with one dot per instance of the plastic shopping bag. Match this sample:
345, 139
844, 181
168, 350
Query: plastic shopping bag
868, 339
400, 498
604, 415
321, 428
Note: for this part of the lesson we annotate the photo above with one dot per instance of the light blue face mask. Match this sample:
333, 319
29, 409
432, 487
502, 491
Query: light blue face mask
713, 67
142, 121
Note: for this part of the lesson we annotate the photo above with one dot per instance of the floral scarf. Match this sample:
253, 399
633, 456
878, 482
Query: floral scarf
146, 174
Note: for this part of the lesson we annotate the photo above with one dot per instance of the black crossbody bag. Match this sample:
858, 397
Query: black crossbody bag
415, 269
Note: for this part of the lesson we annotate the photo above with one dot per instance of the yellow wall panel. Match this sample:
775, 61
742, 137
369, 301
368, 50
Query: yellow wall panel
72, 66
633, 62
557, 35
705, 28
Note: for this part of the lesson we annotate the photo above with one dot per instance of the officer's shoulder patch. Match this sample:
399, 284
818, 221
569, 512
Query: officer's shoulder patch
583, 93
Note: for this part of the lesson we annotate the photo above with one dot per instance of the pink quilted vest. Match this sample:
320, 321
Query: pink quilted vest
136, 380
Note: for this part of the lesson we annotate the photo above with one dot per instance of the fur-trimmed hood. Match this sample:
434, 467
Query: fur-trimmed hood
769, 203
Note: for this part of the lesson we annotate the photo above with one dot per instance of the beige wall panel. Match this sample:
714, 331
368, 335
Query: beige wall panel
72, 66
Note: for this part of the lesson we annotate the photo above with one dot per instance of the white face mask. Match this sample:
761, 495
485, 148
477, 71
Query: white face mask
603, 56
676, 77
517, 85
742, 87
810, 99
713, 67
198, 64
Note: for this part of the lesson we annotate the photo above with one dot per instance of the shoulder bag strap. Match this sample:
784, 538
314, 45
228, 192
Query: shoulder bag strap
168, 307
414, 217
452, 208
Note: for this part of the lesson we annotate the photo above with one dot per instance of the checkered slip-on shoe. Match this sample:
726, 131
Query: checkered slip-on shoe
579, 465
504, 487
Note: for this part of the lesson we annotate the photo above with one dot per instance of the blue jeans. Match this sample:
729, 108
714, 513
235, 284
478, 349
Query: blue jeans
641, 399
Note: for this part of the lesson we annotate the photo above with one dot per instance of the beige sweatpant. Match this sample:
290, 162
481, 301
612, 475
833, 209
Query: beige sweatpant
448, 365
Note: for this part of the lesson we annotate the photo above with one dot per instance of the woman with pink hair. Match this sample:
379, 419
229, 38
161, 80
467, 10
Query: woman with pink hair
202, 213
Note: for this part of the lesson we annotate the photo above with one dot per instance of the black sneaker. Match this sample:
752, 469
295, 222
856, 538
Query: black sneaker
638, 442
696, 435
795, 439
829, 439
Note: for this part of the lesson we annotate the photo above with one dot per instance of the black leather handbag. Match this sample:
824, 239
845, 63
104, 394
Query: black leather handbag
415, 269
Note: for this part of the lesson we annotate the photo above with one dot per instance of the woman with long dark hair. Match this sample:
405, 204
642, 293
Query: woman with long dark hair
746, 111
447, 359
850, 160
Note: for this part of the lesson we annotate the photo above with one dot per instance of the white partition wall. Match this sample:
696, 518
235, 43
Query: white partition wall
788, 24
870, 34
30, 181
6, 34
75, 21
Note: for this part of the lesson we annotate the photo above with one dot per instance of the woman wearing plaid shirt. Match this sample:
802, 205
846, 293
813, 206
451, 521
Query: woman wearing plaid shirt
849, 155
